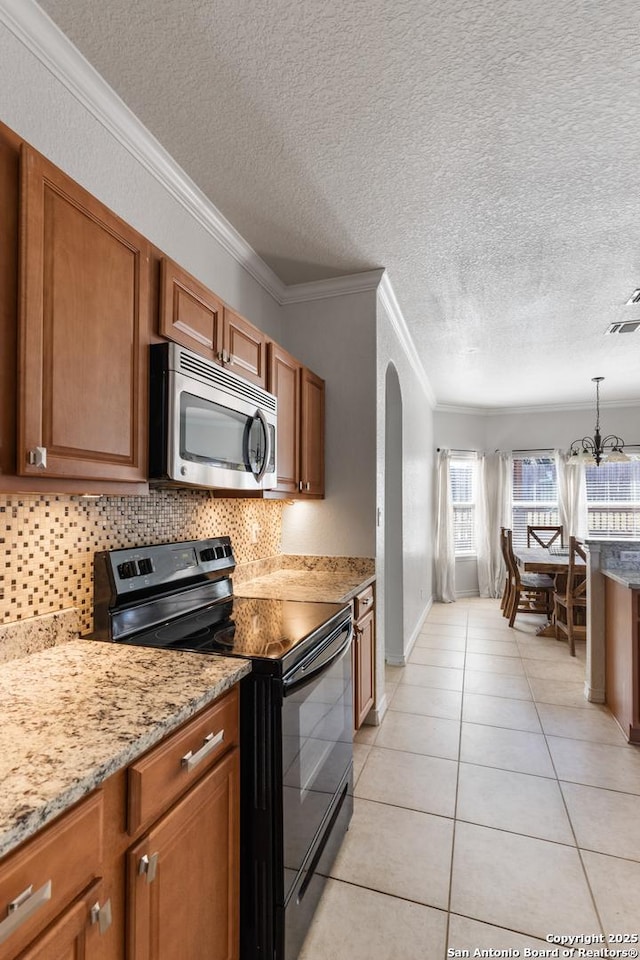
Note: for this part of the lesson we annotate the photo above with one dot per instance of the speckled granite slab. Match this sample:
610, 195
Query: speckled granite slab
311, 585
73, 715
628, 578
21, 638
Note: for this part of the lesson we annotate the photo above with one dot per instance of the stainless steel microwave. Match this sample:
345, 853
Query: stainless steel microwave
208, 427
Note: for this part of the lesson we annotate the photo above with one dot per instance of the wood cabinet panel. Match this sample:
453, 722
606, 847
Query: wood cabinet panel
73, 936
284, 382
245, 348
58, 864
158, 778
312, 434
622, 652
364, 684
190, 313
364, 655
187, 903
84, 304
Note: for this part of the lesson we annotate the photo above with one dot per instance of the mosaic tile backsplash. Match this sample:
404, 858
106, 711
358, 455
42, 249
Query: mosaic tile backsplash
47, 543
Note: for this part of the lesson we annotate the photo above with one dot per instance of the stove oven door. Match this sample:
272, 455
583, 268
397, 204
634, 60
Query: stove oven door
317, 752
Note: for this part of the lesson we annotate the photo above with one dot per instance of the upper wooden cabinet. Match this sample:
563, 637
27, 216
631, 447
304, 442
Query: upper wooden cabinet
312, 434
300, 396
83, 322
192, 315
284, 383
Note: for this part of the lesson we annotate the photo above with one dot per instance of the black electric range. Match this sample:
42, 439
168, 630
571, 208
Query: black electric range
296, 715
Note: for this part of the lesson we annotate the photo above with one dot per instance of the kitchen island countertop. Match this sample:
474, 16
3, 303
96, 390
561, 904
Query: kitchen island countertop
628, 578
75, 714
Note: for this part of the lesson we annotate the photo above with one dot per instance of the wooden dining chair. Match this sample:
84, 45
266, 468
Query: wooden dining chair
528, 592
570, 602
505, 601
538, 536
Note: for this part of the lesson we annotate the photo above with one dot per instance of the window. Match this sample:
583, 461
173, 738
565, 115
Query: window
535, 495
463, 496
613, 499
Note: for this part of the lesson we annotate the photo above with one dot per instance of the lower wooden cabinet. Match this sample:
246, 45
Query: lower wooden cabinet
183, 876
75, 935
364, 656
142, 869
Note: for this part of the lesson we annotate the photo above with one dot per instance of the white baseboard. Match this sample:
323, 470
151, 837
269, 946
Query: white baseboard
402, 661
594, 694
461, 594
375, 715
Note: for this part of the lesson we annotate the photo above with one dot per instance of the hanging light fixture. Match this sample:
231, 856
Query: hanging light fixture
595, 449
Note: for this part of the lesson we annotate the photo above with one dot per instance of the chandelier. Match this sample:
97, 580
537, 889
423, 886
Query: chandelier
595, 449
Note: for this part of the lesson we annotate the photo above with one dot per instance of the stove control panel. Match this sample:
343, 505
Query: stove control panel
157, 567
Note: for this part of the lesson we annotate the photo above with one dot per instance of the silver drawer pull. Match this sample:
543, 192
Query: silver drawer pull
191, 760
148, 865
24, 906
101, 915
366, 601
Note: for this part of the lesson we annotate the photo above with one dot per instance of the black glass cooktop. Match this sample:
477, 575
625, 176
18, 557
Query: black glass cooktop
243, 627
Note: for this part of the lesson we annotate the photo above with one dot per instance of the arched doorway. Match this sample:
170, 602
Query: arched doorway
393, 540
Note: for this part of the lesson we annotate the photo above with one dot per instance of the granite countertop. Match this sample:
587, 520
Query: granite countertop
310, 585
628, 578
73, 715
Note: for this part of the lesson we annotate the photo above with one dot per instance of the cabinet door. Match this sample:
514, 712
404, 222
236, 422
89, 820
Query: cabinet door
73, 935
190, 313
184, 898
284, 383
245, 348
84, 315
364, 680
312, 434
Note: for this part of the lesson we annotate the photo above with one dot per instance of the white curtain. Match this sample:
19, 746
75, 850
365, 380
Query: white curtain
572, 496
493, 510
445, 559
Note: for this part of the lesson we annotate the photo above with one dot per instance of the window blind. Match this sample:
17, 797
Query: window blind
463, 496
535, 495
613, 499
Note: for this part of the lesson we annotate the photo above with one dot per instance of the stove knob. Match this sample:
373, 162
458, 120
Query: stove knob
207, 555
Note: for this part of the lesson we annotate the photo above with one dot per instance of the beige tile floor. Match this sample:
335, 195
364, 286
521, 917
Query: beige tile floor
494, 806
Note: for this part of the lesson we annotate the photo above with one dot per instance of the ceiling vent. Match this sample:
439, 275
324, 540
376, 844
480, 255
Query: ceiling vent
628, 326
634, 298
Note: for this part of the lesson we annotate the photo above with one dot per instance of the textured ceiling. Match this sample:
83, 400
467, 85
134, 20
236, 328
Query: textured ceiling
485, 153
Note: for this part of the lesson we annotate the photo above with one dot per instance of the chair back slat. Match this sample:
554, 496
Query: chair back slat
544, 536
577, 574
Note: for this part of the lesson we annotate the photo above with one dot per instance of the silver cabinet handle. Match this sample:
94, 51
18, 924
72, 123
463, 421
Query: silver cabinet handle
101, 915
366, 601
149, 866
308, 485
24, 906
300, 485
191, 760
38, 457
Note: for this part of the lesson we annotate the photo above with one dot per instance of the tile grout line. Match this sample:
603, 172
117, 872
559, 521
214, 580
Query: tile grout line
566, 809
455, 802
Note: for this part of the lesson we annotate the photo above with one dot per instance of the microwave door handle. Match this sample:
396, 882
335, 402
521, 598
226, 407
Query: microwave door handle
267, 452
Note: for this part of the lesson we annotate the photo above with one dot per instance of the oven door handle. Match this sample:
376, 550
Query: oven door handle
317, 664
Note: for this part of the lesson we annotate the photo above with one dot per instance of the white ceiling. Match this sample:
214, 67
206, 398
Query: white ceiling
486, 152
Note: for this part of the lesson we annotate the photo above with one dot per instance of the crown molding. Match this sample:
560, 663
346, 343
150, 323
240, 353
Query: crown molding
392, 308
333, 287
35, 29
538, 408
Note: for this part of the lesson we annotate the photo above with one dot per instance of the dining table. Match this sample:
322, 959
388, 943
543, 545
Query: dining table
542, 560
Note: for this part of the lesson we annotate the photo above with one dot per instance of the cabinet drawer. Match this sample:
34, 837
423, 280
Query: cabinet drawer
57, 865
160, 777
363, 603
